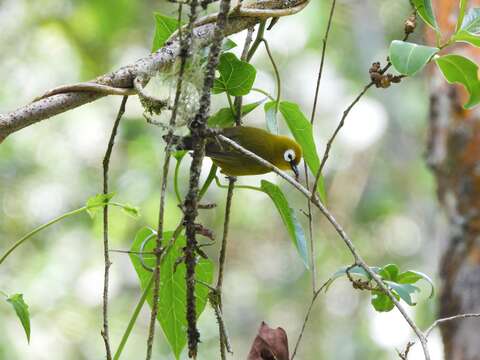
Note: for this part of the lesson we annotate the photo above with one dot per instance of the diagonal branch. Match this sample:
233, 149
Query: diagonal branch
239, 19
106, 255
340, 231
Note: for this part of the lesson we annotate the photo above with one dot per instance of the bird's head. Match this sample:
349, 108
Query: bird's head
288, 155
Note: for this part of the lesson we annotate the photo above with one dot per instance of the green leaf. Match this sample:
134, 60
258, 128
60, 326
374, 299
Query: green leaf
271, 116
389, 272
464, 36
470, 29
461, 13
236, 76
228, 44
425, 10
301, 130
164, 27
21, 309
225, 117
95, 202
171, 309
408, 58
289, 218
381, 302
405, 291
130, 210
471, 22
458, 69
178, 155
412, 276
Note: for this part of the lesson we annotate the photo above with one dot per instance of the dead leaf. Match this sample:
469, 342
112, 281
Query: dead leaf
270, 344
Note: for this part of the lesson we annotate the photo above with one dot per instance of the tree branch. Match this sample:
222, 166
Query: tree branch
238, 20
106, 255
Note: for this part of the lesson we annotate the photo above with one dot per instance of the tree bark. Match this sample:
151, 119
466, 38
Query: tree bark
453, 154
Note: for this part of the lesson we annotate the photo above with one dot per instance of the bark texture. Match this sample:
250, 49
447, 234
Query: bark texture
453, 154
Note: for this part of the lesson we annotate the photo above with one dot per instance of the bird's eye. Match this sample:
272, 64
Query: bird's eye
289, 155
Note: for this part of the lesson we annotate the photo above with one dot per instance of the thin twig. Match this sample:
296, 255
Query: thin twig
312, 119
88, 87
344, 116
239, 99
340, 231
307, 316
221, 264
106, 255
184, 54
437, 322
450, 318
197, 127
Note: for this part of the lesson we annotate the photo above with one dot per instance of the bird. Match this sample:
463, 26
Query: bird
281, 151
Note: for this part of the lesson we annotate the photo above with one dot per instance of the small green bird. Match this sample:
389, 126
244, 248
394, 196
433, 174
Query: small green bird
279, 150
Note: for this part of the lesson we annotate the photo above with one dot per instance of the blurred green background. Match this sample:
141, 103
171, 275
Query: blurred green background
377, 183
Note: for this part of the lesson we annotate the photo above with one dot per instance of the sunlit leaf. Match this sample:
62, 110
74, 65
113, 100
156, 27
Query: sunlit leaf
95, 202
458, 69
408, 58
172, 300
301, 130
425, 10
289, 218
236, 76
21, 309
389, 272
164, 27
271, 116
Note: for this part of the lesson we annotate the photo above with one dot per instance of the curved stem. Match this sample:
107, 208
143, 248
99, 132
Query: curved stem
176, 187
133, 320
277, 74
258, 39
40, 228
264, 93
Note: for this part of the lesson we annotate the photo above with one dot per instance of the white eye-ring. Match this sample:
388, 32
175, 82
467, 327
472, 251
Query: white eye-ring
289, 155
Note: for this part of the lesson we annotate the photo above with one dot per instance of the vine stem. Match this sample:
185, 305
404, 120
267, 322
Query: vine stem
185, 44
51, 222
221, 263
40, 228
106, 255
312, 120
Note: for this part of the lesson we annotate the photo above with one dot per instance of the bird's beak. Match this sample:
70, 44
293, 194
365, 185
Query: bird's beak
294, 169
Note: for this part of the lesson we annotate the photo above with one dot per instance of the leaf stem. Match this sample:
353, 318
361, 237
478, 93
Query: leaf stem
264, 93
277, 75
258, 39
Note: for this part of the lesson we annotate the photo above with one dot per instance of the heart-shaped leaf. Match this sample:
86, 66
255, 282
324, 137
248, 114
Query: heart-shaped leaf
236, 76
172, 300
164, 27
